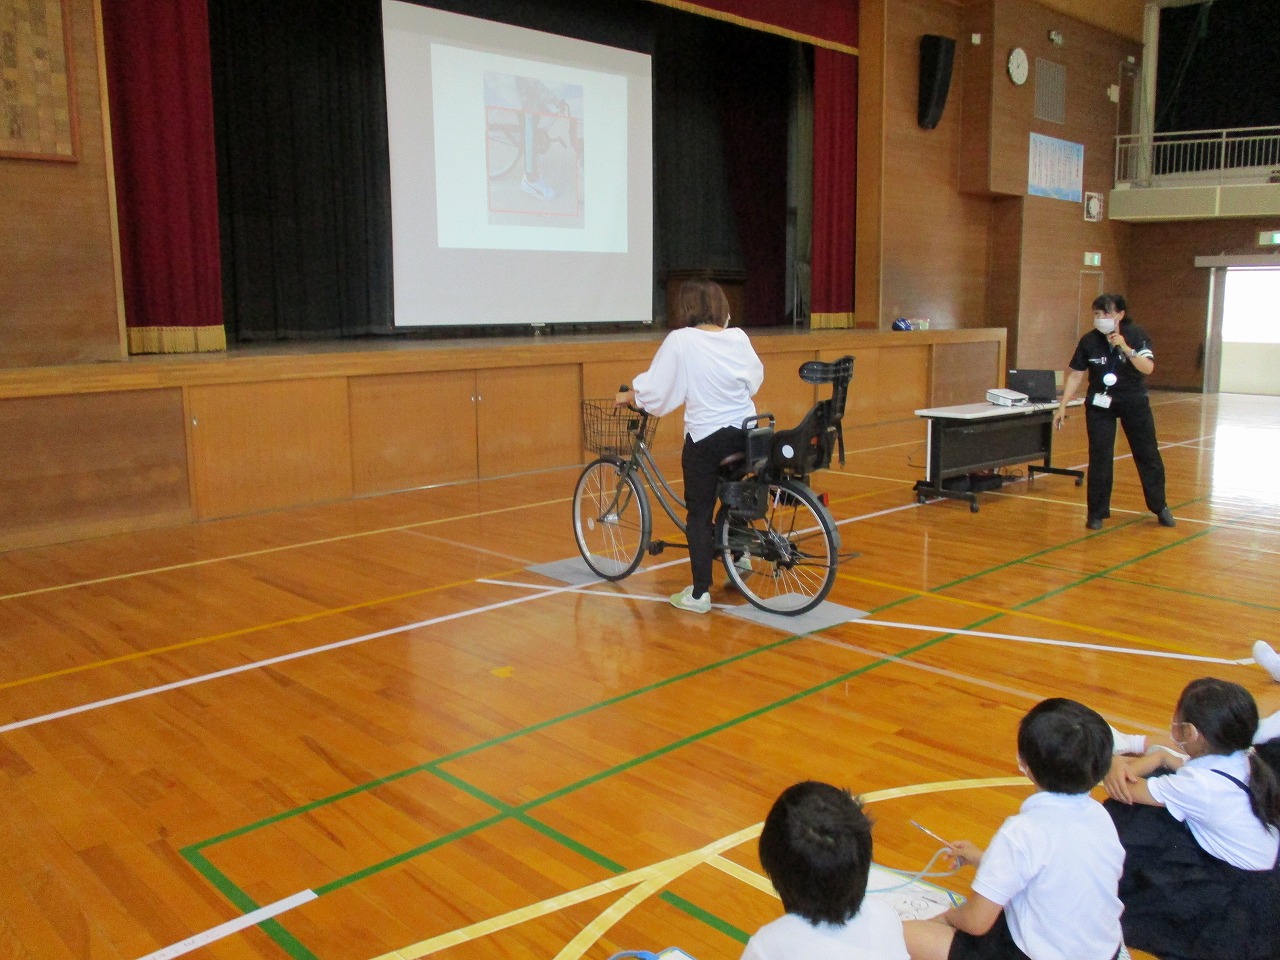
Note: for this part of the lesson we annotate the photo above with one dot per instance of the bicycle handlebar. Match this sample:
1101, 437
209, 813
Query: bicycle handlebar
631, 406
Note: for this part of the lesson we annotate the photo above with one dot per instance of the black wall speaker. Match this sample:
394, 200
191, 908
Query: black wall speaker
936, 56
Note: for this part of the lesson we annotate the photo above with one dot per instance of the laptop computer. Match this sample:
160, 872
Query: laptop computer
1040, 386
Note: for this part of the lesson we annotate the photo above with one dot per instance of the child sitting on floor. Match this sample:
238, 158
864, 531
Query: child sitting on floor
816, 848
1201, 878
1046, 886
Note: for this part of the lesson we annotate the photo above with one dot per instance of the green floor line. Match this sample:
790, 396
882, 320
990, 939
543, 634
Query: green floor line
228, 888
1252, 604
246, 904
706, 916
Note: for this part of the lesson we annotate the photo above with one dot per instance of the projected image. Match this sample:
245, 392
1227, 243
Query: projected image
533, 150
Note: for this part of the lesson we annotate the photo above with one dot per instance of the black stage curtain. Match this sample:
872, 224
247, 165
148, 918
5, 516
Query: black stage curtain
303, 176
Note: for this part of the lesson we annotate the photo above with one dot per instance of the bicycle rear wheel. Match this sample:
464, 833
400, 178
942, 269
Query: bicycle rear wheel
611, 519
784, 562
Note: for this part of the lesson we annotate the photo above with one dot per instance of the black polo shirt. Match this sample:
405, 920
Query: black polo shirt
1098, 357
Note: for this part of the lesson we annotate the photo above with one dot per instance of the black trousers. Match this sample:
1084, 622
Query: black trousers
701, 464
1134, 414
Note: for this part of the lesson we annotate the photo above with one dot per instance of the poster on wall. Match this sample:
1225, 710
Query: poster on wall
1055, 168
37, 110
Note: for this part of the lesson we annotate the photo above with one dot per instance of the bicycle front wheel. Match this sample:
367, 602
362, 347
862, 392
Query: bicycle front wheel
785, 561
502, 150
611, 519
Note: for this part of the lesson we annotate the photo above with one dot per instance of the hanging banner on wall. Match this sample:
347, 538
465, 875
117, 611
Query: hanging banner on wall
1055, 168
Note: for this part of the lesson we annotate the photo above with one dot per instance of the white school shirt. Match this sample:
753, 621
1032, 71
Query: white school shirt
714, 373
1054, 867
875, 933
1218, 811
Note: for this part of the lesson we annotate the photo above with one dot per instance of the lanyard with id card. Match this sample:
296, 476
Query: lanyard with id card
1103, 399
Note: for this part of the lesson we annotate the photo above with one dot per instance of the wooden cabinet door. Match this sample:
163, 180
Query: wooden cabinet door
262, 446
412, 430
528, 418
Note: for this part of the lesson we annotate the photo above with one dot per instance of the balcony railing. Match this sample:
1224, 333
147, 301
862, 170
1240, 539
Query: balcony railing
1242, 155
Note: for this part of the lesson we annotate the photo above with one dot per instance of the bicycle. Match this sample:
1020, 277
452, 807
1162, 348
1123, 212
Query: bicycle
504, 135
774, 535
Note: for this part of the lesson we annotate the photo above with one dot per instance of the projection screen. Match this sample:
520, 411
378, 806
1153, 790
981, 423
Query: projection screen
521, 174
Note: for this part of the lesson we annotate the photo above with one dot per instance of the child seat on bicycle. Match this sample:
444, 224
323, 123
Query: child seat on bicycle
809, 445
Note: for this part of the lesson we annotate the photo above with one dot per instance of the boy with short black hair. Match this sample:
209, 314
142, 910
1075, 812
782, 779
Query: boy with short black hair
1046, 886
816, 848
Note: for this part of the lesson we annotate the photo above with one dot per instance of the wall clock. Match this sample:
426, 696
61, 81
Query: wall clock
1018, 66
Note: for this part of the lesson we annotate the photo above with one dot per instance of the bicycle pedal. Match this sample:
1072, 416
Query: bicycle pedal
656, 547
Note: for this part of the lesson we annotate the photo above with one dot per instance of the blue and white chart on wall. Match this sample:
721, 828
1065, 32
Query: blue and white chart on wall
1055, 168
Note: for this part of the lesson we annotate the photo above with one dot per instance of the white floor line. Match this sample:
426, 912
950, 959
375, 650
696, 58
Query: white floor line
471, 548
258, 664
232, 926
310, 651
1103, 648
954, 675
649, 597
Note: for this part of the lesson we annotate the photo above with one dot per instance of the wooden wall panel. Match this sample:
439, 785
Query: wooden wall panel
529, 418
1004, 269
889, 383
934, 246
77, 466
783, 393
413, 429
58, 288
253, 445
1123, 17
979, 70
1169, 295
260, 446
1055, 239
963, 372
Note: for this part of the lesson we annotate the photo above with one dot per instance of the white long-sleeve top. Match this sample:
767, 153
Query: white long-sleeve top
714, 373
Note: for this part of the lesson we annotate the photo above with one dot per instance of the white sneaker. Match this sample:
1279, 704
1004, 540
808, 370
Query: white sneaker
685, 600
743, 563
1267, 658
537, 188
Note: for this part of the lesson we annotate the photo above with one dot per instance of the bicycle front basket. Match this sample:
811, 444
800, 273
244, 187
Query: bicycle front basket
610, 430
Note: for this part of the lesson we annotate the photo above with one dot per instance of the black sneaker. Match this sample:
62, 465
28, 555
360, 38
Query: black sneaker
1165, 518
1093, 523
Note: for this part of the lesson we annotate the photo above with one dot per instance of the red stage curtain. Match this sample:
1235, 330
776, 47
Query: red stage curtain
160, 89
835, 160
826, 23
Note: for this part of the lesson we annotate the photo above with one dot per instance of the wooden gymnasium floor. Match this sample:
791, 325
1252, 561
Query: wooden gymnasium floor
370, 720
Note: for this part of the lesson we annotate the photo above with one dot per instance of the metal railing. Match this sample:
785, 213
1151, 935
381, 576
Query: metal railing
1249, 154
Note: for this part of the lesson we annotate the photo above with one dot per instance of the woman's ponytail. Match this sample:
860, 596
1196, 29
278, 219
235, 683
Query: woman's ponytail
1264, 789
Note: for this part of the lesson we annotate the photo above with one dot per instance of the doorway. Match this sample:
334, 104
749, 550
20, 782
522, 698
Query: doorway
1249, 352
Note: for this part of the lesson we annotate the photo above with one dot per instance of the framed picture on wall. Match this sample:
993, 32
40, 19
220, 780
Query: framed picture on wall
37, 83
1093, 207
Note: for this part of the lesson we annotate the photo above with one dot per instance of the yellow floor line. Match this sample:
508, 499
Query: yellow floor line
743, 875
244, 631
647, 881
992, 608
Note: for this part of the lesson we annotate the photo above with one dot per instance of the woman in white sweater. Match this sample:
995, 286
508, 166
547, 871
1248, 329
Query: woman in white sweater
712, 369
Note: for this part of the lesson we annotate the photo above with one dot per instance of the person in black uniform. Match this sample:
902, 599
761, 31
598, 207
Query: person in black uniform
1116, 357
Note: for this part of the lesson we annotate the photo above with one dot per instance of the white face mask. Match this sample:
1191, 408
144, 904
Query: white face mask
1105, 325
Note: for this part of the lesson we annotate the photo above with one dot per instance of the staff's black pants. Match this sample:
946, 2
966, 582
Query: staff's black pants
1134, 414
701, 464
